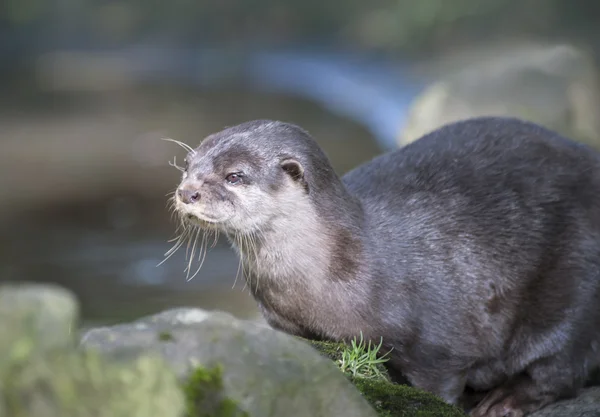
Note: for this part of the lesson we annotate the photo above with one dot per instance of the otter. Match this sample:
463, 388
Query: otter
473, 252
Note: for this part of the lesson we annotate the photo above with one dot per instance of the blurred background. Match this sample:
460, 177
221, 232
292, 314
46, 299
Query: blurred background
89, 87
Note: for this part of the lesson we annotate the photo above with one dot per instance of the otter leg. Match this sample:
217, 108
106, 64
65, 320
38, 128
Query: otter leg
543, 382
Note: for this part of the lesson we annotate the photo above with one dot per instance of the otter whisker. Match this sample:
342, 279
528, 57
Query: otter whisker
189, 267
174, 239
184, 230
173, 210
237, 243
173, 214
201, 256
204, 248
216, 238
191, 245
246, 263
179, 239
174, 165
172, 207
243, 260
183, 145
252, 239
171, 251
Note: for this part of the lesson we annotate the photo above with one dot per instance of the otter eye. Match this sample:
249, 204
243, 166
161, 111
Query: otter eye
234, 178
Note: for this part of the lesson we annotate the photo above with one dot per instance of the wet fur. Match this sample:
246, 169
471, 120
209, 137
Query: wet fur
474, 251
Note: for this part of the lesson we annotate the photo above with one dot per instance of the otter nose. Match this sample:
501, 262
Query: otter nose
188, 196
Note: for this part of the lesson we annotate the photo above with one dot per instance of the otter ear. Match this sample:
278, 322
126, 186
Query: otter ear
295, 170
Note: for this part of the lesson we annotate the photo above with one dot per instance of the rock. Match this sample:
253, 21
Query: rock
396, 400
69, 384
43, 374
264, 372
190, 363
555, 86
41, 317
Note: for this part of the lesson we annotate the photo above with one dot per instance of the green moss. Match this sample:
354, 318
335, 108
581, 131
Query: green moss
387, 398
165, 337
204, 395
394, 400
331, 350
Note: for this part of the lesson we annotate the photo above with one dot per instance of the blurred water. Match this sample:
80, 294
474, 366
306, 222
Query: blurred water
370, 90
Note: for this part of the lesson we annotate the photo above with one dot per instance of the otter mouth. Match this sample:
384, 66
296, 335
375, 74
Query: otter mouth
200, 221
195, 217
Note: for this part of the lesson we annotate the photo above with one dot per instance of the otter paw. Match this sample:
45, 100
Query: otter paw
498, 403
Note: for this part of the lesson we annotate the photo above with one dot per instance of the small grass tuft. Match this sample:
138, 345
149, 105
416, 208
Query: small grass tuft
362, 359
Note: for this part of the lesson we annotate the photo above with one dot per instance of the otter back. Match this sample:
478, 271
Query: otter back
489, 231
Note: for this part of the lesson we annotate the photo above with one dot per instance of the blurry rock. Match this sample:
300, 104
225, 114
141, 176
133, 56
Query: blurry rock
36, 318
264, 372
555, 86
42, 374
76, 384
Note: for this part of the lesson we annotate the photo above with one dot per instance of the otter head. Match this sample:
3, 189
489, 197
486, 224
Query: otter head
241, 179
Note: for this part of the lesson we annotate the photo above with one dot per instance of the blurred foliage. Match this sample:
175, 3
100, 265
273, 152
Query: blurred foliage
381, 24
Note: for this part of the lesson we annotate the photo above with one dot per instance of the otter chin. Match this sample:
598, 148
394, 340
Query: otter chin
473, 252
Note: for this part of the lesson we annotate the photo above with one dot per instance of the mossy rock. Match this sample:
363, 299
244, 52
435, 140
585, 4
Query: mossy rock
395, 400
204, 395
83, 384
264, 372
39, 318
387, 398
332, 350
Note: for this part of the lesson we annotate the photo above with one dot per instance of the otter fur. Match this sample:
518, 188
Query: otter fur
473, 252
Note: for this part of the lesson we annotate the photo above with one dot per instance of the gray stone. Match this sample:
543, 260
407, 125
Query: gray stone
79, 384
265, 372
37, 317
43, 374
554, 85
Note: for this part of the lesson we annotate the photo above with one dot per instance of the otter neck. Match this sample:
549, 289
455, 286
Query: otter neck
305, 265
305, 239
